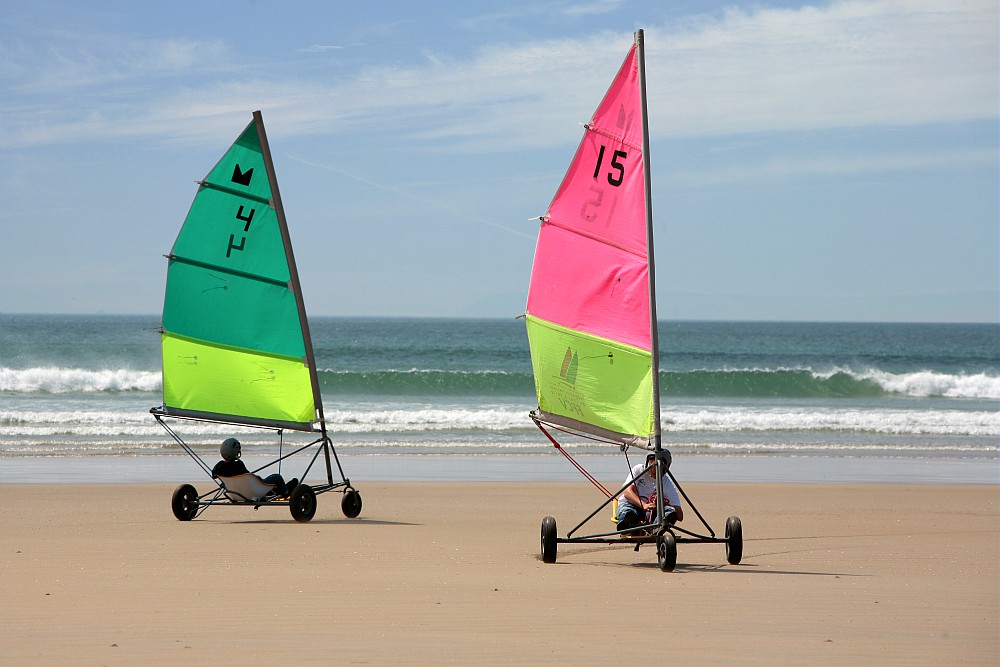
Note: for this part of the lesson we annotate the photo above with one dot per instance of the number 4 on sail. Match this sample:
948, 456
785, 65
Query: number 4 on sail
592, 328
236, 343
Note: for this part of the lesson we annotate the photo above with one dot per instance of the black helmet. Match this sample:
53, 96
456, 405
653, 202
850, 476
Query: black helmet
230, 449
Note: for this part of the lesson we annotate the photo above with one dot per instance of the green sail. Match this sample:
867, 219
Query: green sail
235, 340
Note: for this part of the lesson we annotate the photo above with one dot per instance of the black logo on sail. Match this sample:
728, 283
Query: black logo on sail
242, 178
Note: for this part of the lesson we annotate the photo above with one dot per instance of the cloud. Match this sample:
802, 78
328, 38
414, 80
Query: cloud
741, 71
321, 48
84, 64
564, 9
851, 64
595, 7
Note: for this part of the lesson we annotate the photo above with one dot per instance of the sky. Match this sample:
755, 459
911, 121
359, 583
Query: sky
810, 161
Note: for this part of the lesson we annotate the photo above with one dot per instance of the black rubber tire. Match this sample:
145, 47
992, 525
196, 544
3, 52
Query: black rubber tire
549, 544
734, 540
666, 552
350, 504
184, 502
302, 503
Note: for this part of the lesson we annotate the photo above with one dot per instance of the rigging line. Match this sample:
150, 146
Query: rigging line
585, 435
593, 480
405, 195
581, 435
281, 446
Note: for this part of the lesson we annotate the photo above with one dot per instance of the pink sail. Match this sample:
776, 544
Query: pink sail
590, 272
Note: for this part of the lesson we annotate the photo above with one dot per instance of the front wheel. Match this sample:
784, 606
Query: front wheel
351, 503
549, 540
184, 502
734, 540
302, 503
666, 552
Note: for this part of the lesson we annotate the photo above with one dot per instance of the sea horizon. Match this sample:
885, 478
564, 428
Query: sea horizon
517, 316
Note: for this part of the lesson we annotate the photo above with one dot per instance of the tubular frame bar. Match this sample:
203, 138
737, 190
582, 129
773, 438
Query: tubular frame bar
643, 534
218, 494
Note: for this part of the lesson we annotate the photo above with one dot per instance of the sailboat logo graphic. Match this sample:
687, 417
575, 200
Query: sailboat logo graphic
569, 366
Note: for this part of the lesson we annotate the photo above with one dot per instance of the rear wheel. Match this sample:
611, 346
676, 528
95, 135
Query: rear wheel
734, 540
302, 503
184, 502
351, 503
666, 552
548, 540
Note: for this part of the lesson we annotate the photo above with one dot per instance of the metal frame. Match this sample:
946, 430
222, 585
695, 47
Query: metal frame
649, 533
219, 494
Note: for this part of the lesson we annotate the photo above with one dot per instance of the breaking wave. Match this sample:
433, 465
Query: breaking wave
737, 383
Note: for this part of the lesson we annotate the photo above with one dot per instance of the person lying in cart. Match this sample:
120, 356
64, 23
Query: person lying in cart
637, 505
231, 466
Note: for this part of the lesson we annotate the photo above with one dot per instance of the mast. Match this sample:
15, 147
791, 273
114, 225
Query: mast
293, 271
661, 463
653, 326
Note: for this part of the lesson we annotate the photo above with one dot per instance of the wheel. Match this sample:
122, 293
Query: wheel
302, 503
734, 540
184, 502
548, 540
351, 503
666, 552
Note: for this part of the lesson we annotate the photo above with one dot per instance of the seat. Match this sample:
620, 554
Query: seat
245, 488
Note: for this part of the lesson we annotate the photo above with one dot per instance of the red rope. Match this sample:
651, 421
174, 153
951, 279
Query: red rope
593, 480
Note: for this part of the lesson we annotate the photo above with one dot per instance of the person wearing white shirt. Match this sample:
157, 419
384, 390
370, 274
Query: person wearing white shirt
637, 504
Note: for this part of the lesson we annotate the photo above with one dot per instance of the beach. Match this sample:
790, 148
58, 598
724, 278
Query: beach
449, 573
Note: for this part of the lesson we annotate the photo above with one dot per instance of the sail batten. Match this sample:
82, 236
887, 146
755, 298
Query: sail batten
613, 136
234, 335
639, 252
223, 188
232, 272
588, 314
223, 346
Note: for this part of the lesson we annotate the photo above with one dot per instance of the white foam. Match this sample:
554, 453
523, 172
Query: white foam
929, 383
423, 419
57, 380
895, 422
511, 420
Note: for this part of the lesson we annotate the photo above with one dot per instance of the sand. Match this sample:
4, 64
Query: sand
450, 573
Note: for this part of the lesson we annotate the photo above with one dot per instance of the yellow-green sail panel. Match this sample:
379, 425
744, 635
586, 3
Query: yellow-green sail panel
591, 380
213, 379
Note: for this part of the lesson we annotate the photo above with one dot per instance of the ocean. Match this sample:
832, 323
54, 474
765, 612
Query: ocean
441, 399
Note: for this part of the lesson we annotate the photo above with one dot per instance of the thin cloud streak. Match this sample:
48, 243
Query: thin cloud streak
431, 204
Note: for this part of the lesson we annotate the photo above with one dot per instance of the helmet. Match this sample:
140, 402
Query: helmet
230, 449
